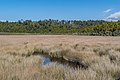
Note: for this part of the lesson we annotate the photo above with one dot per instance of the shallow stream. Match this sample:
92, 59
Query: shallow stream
46, 60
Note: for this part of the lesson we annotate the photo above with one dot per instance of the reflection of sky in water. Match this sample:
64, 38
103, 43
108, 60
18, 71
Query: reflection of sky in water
46, 61
75, 63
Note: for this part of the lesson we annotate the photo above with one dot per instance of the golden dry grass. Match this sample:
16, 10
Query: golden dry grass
18, 60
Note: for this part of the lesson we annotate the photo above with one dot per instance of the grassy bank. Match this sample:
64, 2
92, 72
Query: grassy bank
19, 62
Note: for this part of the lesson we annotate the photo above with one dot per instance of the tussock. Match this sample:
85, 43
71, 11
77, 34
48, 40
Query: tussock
22, 62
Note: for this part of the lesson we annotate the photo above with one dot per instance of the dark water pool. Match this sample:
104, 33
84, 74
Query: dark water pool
74, 64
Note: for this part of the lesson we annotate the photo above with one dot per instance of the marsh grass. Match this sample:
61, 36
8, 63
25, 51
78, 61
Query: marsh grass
22, 62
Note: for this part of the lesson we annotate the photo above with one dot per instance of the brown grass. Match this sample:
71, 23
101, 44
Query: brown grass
18, 60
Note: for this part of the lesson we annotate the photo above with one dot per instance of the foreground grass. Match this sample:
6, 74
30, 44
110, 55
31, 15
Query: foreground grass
22, 62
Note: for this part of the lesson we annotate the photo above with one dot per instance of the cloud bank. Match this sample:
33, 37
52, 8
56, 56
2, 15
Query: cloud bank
114, 17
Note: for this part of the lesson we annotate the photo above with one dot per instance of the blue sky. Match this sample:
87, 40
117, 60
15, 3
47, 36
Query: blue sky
13, 10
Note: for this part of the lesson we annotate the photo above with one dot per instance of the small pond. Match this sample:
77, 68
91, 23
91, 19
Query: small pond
74, 64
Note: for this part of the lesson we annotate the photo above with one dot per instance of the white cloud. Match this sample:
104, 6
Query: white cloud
3, 20
108, 10
114, 17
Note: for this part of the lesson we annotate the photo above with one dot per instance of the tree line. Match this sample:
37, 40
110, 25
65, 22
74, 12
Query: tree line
89, 27
104, 29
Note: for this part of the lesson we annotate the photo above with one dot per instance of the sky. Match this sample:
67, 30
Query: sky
13, 10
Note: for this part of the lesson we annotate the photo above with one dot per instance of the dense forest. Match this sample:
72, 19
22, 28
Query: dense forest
90, 27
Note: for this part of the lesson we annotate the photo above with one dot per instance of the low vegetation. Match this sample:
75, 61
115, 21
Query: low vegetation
22, 62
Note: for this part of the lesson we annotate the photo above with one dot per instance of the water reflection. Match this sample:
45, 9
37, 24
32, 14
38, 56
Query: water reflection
74, 64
